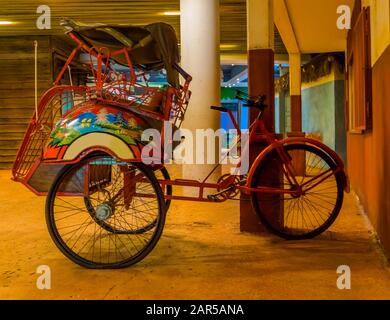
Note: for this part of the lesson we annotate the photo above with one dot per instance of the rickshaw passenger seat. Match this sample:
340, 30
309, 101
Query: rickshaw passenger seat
155, 102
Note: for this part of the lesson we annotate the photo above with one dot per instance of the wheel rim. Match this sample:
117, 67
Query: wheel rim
298, 215
105, 213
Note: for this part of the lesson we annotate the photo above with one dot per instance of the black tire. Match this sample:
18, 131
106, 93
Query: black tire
130, 248
320, 205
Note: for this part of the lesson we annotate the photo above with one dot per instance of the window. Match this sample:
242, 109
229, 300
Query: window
358, 77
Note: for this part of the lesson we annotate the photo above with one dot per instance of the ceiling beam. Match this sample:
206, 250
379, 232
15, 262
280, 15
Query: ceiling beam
239, 58
284, 25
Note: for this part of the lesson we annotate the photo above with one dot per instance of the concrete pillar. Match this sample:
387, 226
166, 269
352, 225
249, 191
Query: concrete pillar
282, 111
260, 35
200, 57
295, 92
260, 29
296, 109
282, 102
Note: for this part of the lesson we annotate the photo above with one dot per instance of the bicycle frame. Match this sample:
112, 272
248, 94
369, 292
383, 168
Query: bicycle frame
259, 133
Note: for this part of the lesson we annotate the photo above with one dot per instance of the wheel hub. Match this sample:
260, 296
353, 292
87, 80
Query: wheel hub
297, 192
103, 211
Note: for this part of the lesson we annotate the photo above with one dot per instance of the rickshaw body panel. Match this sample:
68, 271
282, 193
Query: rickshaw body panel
92, 127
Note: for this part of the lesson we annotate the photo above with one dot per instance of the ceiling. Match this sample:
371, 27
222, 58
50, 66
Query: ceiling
313, 23
233, 17
305, 26
301, 26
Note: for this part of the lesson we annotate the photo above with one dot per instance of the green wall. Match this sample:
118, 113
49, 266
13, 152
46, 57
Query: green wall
318, 111
323, 112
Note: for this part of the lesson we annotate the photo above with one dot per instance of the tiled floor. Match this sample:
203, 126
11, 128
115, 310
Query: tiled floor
201, 255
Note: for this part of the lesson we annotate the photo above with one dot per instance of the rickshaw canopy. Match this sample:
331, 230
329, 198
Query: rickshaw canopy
151, 47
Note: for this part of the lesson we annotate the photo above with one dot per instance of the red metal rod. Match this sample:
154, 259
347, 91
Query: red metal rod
65, 67
327, 175
267, 190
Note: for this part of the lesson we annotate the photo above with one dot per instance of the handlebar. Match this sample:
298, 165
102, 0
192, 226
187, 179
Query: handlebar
220, 109
255, 102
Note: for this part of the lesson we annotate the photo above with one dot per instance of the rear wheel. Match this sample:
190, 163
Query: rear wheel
103, 213
293, 216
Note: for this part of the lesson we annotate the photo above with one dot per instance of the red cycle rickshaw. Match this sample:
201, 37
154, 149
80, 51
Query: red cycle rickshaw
106, 208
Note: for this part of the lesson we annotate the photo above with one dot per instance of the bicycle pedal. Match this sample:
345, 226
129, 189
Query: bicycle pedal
215, 198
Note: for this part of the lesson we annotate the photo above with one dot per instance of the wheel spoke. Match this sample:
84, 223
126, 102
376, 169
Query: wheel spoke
100, 229
296, 215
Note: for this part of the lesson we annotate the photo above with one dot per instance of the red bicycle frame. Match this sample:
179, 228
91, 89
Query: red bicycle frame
259, 133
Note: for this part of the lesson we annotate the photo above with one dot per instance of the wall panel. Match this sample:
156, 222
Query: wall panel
17, 89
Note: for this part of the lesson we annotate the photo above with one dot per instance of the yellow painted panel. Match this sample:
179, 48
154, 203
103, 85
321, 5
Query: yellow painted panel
98, 139
380, 27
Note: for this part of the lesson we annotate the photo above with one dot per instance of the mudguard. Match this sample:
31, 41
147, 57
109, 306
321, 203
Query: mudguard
317, 144
92, 127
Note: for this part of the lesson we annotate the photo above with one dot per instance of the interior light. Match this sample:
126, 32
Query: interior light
171, 13
6, 23
228, 46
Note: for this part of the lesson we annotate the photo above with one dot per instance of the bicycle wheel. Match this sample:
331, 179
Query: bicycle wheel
293, 216
103, 213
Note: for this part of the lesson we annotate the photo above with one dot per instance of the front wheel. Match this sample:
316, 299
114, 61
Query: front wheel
103, 213
293, 215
